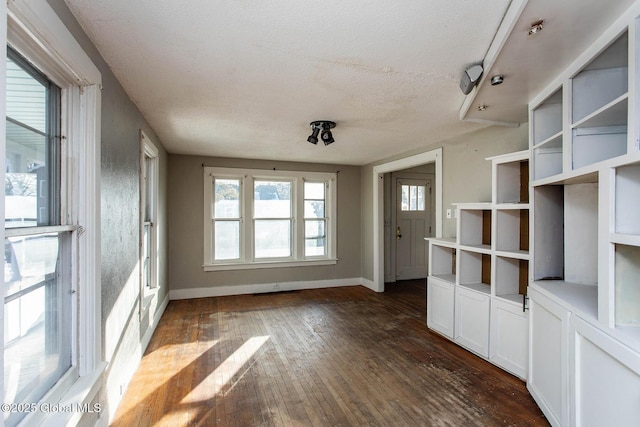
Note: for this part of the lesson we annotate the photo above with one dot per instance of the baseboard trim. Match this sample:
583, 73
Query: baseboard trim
152, 328
369, 284
219, 291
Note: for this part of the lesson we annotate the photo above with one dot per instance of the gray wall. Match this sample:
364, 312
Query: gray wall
466, 176
186, 243
122, 330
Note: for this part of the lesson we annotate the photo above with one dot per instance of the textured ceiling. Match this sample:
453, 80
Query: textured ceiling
245, 78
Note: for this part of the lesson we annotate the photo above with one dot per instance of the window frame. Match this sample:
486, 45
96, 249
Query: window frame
58, 285
247, 177
35, 31
149, 193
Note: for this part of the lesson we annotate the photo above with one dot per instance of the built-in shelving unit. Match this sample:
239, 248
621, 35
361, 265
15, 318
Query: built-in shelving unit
547, 137
599, 107
477, 282
585, 238
443, 260
625, 240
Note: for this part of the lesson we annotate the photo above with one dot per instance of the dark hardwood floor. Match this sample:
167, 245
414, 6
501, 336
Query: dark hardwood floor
326, 357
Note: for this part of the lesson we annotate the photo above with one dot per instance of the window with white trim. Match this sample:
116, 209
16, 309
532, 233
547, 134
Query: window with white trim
52, 229
37, 249
268, 218
148, 214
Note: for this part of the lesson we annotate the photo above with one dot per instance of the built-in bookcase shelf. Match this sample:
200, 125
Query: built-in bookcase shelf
600, 106
474, 225
485, 270
511, 182
627, 288
547, 119
475, 271
627, 200
565, 233
547, 137
443, 260
511, 279
626, 247
584, 260
512, 231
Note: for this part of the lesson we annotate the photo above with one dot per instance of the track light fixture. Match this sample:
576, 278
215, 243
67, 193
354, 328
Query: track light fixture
313, 138
323, 126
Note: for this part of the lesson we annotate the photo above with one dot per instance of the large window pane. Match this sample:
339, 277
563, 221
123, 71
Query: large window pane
272, 199
31, 149
227, 240
314, 209
314, 230
315, 239
272, 238
146, 254
314, 190
227, 198
37, 316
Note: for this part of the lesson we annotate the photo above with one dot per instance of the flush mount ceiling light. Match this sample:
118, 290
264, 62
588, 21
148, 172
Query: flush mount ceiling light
536, 27
482, 107
497, 79
322, 127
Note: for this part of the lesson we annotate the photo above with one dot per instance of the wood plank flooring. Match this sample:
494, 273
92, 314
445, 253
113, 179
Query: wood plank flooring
326, 357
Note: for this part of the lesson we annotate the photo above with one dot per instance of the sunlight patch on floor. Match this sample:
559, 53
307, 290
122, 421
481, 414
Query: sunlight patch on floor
216, 380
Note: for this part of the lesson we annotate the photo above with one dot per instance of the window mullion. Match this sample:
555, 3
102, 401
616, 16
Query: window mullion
247, 220
300, 224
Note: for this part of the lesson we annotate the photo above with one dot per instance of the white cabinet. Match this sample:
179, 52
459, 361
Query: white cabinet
440, 306
606, 389
509, 336
472, 320
547, 379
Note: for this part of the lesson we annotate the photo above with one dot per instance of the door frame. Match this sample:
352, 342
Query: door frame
433, 156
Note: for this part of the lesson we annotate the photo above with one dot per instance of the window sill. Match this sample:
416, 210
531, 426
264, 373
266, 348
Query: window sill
75, 403
270, 264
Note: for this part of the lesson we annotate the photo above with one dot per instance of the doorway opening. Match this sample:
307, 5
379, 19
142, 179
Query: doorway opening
435, 157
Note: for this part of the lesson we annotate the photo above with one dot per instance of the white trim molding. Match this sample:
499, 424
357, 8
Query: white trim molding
433, 156
261, 288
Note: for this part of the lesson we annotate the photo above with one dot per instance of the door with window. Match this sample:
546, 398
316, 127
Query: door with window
413, 208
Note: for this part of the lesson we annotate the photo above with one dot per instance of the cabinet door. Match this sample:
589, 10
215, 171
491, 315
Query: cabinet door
472, 320
548, 357
509, 337
440, 306
606, 376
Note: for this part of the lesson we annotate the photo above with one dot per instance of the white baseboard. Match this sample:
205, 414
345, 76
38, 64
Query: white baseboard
152, 327
369, 284
218, 291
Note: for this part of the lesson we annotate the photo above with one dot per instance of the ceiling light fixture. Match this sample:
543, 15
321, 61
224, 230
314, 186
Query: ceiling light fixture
536, 27
497, 80
322, 127
470, 78
482, 107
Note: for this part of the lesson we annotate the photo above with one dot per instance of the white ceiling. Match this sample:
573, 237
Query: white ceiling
245, 78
